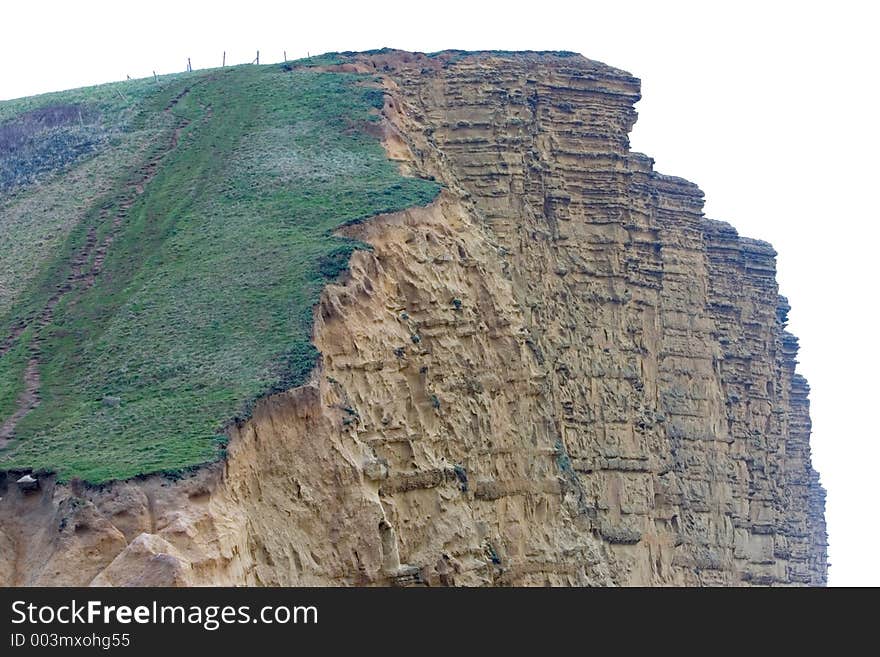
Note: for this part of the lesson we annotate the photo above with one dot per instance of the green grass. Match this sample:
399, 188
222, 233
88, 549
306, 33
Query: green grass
205, 301
121, 100
51, 197
12, 367
45, 134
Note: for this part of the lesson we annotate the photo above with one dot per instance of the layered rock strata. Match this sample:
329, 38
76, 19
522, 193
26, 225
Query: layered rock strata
560, 373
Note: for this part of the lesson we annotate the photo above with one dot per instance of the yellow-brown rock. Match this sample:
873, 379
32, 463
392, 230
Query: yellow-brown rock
558, 373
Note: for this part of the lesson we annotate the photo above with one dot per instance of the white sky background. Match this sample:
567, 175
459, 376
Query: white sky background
769, 106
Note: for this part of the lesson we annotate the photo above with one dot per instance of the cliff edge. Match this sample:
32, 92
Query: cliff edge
559, 372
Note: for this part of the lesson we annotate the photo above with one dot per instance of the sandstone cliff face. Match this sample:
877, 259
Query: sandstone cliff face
559, 373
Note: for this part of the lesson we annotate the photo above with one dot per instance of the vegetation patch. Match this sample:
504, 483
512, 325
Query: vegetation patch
45, 140
36, 219
204, 299
12, 367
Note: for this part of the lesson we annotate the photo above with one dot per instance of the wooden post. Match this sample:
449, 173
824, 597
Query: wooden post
155, 77
189, 66
224, 58
285, 55
258, 58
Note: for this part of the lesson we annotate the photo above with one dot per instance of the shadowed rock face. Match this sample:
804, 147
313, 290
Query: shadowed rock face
558, 373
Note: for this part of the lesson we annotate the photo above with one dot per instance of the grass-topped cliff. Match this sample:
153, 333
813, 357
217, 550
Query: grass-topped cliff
163, 245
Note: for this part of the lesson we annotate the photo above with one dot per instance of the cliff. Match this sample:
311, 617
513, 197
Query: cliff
558, 372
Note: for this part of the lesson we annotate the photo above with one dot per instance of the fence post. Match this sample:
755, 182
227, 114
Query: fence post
155, 77
258, 58
224, 58
189, 66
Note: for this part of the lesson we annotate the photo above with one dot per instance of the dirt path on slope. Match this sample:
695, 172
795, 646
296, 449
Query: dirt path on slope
80, 277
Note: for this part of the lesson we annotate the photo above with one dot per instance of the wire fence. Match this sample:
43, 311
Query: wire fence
255, 60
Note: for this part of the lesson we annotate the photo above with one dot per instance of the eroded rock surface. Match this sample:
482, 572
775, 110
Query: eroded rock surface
559, 373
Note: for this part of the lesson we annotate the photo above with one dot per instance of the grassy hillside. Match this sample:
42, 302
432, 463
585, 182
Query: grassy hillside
185, 290
90, 136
